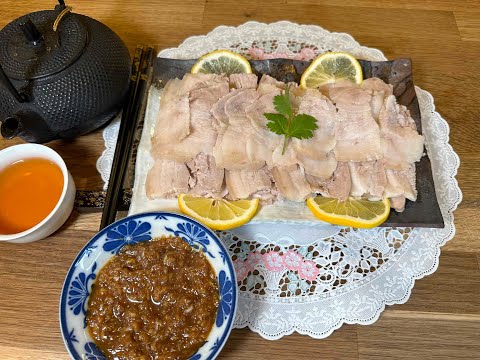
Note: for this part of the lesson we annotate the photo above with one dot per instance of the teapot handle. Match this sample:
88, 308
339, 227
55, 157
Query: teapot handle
21, 97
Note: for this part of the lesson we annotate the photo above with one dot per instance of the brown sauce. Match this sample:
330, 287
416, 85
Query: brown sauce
156, 299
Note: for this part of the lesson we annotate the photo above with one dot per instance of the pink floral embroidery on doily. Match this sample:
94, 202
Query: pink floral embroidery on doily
259, 54
273, 261
308, 270
292, 260
241, 269
256, 53
253, 259
276, 262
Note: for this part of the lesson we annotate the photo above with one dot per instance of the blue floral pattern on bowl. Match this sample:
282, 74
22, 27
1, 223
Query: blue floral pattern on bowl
194, 235
226, 298
79, 291
131, 230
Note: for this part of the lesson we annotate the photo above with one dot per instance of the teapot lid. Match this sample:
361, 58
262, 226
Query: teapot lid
30, 48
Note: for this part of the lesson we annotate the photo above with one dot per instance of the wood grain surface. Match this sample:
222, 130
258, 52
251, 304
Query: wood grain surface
442, 37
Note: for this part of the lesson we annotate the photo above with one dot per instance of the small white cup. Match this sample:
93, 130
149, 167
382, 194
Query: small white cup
64, 206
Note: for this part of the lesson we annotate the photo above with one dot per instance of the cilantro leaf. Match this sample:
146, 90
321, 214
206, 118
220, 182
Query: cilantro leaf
277, 123
302, 126
282, 103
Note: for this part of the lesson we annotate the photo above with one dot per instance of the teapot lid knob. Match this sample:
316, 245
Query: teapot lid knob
42, 43
31, 32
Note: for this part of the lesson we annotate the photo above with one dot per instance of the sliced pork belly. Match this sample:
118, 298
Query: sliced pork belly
401, 142
288, 158
167, 178
368, 179
243, 81
237, 149
206, 178
243, 184
235, 107
401, 186
221, 121
303, 152
202, 134
356, 131
379, 91
256, 110
173, 106
255, 113
337, 186
398, 203
313, 103
376, 84
291, 182
269, 84
239, 146
401, 182
319, 168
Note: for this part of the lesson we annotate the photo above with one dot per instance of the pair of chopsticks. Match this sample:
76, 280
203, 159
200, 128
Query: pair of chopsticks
141, 66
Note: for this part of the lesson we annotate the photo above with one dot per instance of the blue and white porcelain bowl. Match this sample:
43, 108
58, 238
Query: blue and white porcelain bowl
131, 230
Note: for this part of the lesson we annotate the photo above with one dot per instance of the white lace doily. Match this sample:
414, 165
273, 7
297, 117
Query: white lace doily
313, 278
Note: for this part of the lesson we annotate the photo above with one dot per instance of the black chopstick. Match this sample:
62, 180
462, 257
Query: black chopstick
141, 62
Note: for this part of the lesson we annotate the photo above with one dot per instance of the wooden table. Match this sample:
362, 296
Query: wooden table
442, 318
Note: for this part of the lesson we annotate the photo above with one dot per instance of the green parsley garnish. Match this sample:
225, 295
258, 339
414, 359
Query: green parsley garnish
300, 126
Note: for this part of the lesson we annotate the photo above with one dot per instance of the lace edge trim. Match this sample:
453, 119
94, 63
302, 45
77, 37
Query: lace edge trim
272, 24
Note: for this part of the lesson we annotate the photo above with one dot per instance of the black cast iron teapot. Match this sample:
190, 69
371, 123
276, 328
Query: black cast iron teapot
61, 75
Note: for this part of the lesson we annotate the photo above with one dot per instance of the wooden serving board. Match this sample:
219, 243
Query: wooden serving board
425, 212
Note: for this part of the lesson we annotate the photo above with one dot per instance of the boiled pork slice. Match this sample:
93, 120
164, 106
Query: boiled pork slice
202, 135
175, 104
256, 110
244, 184
220, 118
319, 168
268, 84
206, 178
398, 203
238, 146
379, 91
166, 179
401, 143
377, 84
337, 186
368, 179
401, 184
291, 182
243, 81
314, 154
313, 103
356, 131
269, 140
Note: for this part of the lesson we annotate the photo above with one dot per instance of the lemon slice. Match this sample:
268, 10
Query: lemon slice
331, 67
352, 212
218, 214
224, 62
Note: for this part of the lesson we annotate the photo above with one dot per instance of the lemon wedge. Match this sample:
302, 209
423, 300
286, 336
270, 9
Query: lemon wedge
218, 214
331, 67
222, 62
352, 212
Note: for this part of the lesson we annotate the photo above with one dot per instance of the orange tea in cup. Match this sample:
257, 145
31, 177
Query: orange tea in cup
29, 191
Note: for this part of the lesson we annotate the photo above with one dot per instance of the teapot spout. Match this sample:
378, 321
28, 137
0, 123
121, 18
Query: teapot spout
10, 128
28, 125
